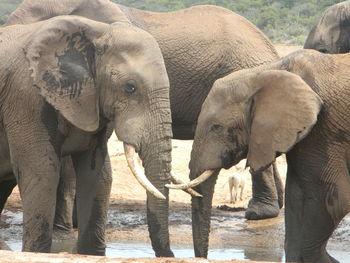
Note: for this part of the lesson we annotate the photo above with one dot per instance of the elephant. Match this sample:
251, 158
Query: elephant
297, 105
200, 45
66, 83
331, 33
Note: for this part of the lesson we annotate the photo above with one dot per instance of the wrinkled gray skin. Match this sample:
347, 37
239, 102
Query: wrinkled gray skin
262, 112
64, 83
199, 45
331, 34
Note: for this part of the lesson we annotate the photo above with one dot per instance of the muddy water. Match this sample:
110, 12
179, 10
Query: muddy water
232, 237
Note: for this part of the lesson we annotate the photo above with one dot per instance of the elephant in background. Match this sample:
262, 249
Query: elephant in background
200, 45
66, 83
298, 106
331, 34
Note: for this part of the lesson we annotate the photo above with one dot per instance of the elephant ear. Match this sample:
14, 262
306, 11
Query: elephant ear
61, 56
285, 109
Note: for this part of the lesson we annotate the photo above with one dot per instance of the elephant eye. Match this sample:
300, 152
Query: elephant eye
130, 87
216, 128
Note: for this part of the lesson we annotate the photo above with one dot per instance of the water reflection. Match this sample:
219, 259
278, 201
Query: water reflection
12, 234
136, 250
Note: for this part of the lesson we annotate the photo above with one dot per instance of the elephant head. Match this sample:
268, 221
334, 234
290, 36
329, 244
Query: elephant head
331, 34
94, 73
254, 115
257, 116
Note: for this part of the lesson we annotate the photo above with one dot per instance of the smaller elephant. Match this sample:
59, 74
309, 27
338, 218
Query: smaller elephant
236, 182
298, 105
331, 33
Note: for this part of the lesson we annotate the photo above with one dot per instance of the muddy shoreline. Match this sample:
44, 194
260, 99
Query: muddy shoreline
231, 237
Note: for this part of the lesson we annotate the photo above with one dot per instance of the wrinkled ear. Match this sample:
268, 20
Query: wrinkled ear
61, 56
284, 110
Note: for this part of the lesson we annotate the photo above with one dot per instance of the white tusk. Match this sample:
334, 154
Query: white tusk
137, 170
200, 179
175, 180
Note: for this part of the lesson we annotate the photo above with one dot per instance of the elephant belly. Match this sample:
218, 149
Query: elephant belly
76, 141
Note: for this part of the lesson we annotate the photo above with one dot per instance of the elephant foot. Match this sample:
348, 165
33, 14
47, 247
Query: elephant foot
261, 209
61, 232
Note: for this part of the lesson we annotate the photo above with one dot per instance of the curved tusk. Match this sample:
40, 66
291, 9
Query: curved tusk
200, 179
175, 180
136, 169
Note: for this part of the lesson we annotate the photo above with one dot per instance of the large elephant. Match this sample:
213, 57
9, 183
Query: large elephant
64, 83
299, 106
331, 34
199, 45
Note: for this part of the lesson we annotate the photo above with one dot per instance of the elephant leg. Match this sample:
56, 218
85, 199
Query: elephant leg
201, 212
293, 216
242, 190
75, 216
264, 203
6, 188
317, 199
65, 196
94, 180
37, 173
279, 185
325, 206
318, 225
230, 185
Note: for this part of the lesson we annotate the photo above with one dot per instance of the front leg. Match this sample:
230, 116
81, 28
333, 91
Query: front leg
264, 203
65, 196
94, 180
36, 166
293, 216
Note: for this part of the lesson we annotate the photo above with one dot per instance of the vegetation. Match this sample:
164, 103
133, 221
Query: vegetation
283, 21
6, 7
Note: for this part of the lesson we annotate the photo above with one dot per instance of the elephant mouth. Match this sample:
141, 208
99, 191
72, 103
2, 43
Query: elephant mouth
198, 180
228, 159
136, 168
233, 157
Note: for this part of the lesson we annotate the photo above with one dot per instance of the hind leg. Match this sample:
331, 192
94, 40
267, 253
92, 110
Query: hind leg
230, 185
6, 188
317, 198
242, 188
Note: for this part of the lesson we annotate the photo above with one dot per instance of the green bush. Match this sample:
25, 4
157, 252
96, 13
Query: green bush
283, 21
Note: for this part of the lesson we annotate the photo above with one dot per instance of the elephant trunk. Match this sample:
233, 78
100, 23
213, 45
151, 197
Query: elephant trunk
155, 153
201, 213
201, 206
